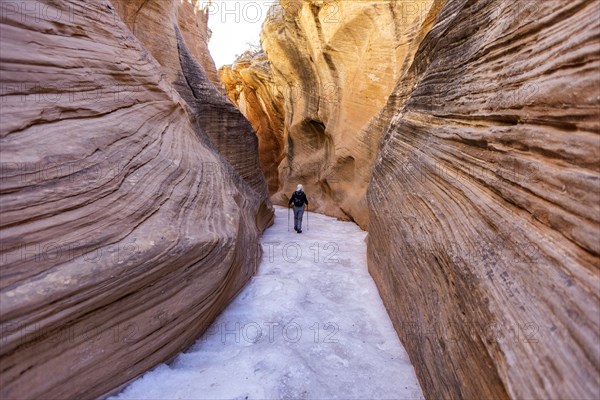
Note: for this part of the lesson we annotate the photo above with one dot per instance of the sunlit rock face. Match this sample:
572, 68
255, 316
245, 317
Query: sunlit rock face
124, 227
250, 85
484, 204
333, 65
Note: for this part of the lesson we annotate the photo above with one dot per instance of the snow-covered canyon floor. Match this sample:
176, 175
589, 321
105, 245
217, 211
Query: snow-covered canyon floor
309, 325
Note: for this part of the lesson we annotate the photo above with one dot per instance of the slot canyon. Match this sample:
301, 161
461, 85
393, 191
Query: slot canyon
137, 181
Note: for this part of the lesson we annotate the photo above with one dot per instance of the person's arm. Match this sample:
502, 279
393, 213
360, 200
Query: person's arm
291, 199
305, 199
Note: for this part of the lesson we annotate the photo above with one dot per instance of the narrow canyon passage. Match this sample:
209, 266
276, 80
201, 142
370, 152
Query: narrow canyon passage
139, 171
309, 324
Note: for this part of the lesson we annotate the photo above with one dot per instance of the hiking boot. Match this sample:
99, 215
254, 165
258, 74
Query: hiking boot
299, 230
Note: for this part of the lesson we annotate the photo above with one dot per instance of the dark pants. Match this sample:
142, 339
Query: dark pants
298, 213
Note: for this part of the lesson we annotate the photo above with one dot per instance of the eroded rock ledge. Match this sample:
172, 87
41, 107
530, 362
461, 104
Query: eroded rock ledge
128, 218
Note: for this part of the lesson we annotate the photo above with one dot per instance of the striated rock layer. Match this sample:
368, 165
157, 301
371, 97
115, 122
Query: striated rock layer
156, 24
331, 67
250, 85
484, 203
152, 22
128, 220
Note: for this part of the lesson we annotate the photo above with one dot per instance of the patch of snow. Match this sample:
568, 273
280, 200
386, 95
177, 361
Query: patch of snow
309, 325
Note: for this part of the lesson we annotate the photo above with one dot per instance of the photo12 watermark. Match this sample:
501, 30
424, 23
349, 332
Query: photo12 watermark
223, 333
15, 252
78, 94
252, 332
294, 252
232, 12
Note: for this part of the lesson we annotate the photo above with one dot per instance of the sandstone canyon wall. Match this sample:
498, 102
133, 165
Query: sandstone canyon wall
474, 125
153, 23
161, 27
251, 86
331, 67
128, 220
484, 233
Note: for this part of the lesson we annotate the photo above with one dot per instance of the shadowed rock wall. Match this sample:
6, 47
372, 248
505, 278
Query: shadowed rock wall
484, 203
158, 25
127, 223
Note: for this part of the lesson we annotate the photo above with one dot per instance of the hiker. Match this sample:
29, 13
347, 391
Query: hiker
298, 199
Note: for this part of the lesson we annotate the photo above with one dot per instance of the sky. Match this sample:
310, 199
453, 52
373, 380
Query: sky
234, 24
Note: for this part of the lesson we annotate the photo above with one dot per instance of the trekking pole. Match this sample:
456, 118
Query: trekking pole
307, 226
288, 218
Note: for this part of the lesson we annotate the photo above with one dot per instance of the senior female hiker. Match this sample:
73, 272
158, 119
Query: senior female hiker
298, 199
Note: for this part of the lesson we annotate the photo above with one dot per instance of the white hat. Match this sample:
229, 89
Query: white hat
299, 188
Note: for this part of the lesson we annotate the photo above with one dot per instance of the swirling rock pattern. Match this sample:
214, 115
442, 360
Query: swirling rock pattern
124, 229
484, 233
183, 53
332, 66
152, 22
250, 85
